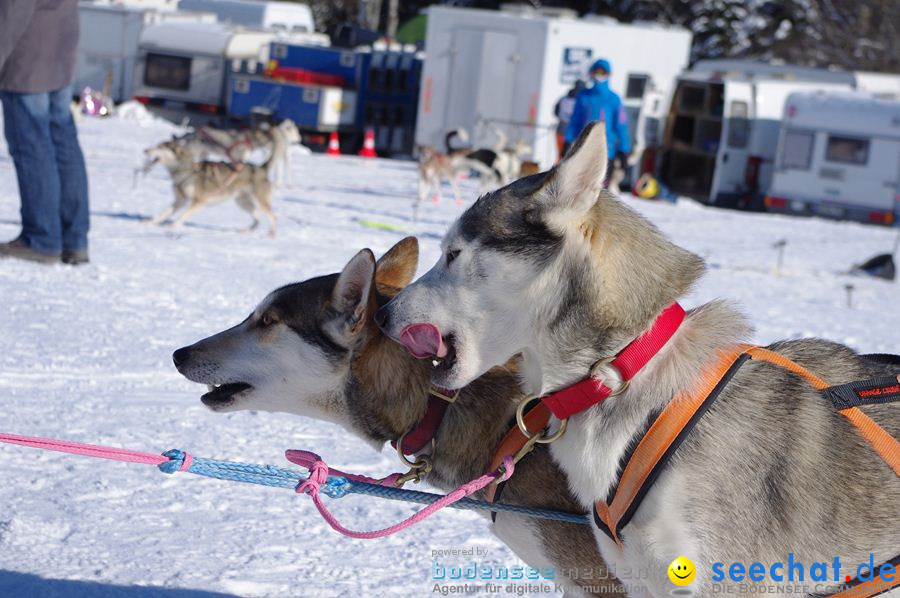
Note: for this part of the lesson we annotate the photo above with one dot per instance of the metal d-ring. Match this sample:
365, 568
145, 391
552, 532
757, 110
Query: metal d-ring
421, 461
542, 439
608, 361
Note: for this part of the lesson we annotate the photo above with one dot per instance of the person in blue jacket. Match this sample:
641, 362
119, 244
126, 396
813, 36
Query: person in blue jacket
599, 102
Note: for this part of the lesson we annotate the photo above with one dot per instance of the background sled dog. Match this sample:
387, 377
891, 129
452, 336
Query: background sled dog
313, 349
495, 167
554, 268
237, 144
198, 184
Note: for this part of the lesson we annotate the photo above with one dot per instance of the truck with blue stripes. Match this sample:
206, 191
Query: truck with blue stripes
325, 89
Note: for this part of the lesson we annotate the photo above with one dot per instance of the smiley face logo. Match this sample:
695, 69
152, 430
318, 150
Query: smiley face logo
682, 571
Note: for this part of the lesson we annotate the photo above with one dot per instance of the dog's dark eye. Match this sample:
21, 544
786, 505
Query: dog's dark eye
267, 320
452, 255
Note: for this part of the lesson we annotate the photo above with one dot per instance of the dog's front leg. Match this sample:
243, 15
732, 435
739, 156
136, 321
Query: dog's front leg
187, 214
163, 215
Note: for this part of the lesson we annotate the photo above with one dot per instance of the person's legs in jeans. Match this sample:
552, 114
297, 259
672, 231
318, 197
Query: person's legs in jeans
73, 193
26, 125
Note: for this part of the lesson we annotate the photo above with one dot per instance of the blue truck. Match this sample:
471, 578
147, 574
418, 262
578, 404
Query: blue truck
326, 89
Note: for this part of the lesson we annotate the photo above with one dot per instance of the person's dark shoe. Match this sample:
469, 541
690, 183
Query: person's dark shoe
75, 257
20, 250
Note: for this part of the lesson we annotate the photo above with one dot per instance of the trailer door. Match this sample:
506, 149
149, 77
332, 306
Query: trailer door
482, 79
497, 82
465, 60
731, 176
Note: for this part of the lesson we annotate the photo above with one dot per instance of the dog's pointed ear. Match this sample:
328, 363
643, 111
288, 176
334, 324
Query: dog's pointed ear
350, 297
578, 179
396, 268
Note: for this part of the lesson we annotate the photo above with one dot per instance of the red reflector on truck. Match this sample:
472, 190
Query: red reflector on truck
882, 217
775, 202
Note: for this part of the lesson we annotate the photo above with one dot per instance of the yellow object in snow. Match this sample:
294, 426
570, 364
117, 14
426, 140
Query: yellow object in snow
647, 187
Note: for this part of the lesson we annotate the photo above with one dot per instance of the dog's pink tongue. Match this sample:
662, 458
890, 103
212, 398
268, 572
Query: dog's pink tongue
423, 340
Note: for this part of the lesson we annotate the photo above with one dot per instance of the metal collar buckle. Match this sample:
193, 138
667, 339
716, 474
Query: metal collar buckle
444, 394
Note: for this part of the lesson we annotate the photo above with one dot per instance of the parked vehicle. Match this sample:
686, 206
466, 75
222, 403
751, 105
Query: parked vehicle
182, 67
108, 44
335, 89
280, 16
838, 156
487, 69
722, 129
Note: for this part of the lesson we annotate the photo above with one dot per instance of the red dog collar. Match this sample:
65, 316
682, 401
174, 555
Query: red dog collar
591, 391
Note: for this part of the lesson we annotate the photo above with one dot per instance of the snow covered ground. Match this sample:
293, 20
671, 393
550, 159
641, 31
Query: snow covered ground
85, 356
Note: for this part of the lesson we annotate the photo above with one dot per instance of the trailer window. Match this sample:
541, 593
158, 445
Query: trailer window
167, 72
847, 150
637, 85
797, 150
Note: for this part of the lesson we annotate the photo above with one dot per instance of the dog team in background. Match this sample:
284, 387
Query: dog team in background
199, 182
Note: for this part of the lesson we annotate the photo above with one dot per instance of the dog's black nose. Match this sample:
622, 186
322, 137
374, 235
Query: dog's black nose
181, 355
382, 316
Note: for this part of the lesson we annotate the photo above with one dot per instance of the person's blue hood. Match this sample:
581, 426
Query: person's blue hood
601, 63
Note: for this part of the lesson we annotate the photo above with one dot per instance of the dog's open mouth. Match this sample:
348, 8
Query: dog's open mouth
425, 341
220, 395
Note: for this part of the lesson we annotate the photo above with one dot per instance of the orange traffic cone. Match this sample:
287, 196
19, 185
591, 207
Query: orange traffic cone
334, 146
368, 148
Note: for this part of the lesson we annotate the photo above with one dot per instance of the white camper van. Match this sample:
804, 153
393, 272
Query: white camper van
108, 43
722, 130
293, 17
494, 69
183, 67
838, 156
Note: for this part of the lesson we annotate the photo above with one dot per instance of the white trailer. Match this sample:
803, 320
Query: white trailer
487, 69
183, 67
722, 129
283, 16
838, 156
108, 44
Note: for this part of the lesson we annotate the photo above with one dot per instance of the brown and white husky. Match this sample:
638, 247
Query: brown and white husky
313, 349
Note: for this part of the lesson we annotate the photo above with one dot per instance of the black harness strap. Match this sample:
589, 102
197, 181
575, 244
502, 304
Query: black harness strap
885, 358
882, 389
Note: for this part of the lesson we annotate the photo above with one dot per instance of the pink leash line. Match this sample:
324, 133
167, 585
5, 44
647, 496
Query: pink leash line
308, 459
318, 474
91, 450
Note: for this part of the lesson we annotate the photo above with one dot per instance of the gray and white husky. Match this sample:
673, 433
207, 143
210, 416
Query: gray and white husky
313, 349
557, 269
197, 185
236, 145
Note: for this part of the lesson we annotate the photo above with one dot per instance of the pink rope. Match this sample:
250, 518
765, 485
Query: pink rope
318, 474
308, 459
89, 450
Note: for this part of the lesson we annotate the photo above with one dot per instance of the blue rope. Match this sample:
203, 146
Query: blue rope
338, 487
